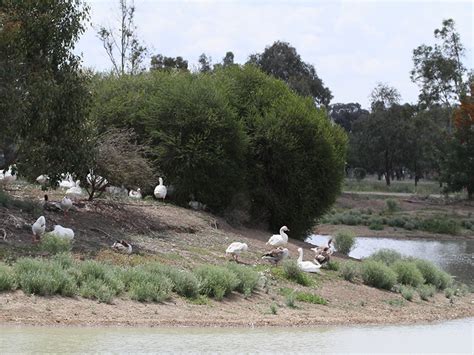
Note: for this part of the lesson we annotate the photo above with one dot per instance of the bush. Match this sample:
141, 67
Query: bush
155, 288
407, 293
184, 283
387, 256
310, 298
376, 226
441, 225
377, 274
292, 272
360, 173
54, 245
345, 242
105, 274
290, 300
392, 205
408, 273
396, 222
426, 291
449, 293
7, 279
216, 281
350, 271
433, 275
97, 289
248, 278
332, 265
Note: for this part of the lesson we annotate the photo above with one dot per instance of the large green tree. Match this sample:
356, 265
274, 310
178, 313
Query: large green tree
42, 88
282, 61
346, 114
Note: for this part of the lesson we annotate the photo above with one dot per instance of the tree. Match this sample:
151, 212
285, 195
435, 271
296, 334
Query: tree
383, 97
119, 160
160, 62
459, 162
283, 62
346, 114
439, 70
228, 59
41, 76
205, 63
123, 47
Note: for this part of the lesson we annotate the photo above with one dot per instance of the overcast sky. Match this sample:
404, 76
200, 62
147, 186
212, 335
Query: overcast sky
352, 44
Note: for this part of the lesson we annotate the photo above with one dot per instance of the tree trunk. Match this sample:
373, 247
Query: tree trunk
387, 178
470, 193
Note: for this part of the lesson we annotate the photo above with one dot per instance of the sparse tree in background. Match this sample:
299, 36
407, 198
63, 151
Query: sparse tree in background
122, 45
283, 62
43, 93
160, 62
205, 63
439, 70
120, 160
346, 114
383, 97
228, 59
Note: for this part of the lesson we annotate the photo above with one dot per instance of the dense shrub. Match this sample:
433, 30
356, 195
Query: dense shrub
216, 281
360, 173
376, 226
7, 279
350, 271
441, 225
96, 289
392, 205
345, 242
248, 278
95, 274
54, 244
433, 275
408, 273
205, 128
292, 272
332, 265
387, 256
184, 282
377, 274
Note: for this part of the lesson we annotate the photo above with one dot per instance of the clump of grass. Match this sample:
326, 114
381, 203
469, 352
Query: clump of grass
54, 245
433, 275
441, 224
7, 279
377, 274
426, 291
408, 273
248, 278
332, 265
350, 271
273, 309
93, 276
392, 206
96, 289
387, 256
345, 242
290, 300
292, 272
449, 293
216, 281
310, 298
407, 292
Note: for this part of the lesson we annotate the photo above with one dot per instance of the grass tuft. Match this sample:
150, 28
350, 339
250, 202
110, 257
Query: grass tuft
292, 272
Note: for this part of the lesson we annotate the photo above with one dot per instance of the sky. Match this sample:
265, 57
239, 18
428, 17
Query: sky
352, 44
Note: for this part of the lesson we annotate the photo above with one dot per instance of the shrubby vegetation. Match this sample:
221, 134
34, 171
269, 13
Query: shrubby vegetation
345, 242
292, 272
377, 274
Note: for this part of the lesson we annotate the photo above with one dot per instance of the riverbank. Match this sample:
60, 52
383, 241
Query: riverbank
186, 239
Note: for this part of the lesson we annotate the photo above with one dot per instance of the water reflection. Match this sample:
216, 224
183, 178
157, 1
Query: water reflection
453, 337
455, 256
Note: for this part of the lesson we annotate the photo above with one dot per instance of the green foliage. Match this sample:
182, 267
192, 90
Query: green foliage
310, 298
44, 85
407, 293
248, 278
387, 256
408, 273
449, 293
376, 226
332, 265
433, 275
426, 291
290, 300
377, 274
7, 278
273, 309
396, 302
216, 281
345, 242
350, 271
54, 244
392, 205
150, 288
97, 289
184, 282
441, 224
292, 272
94, 276
360, 173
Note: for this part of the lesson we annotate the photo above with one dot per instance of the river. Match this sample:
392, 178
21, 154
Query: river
446, 337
